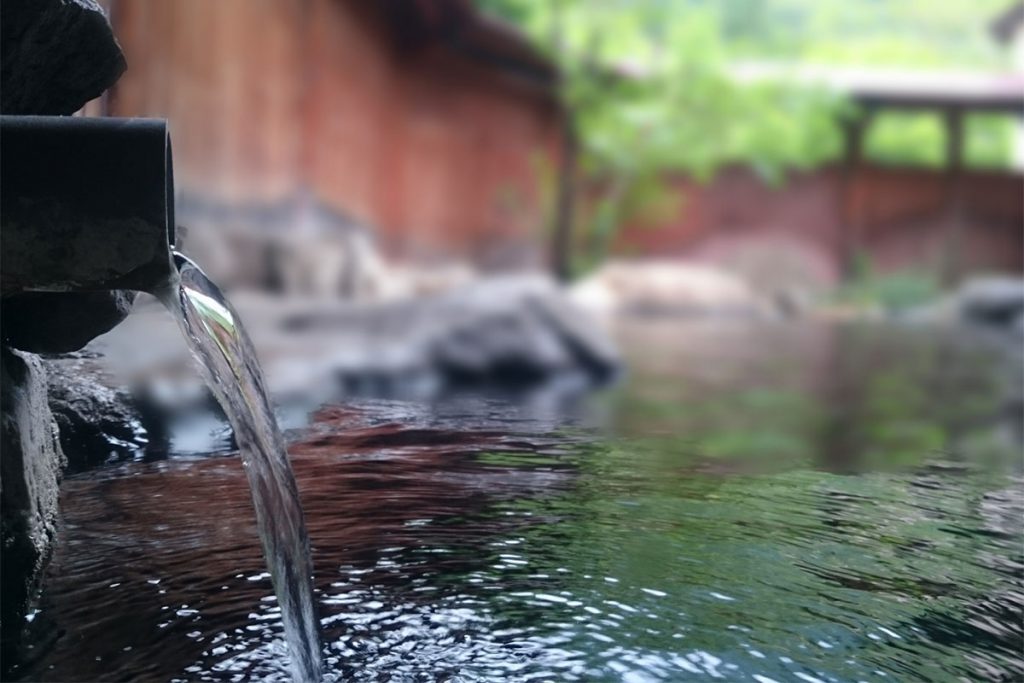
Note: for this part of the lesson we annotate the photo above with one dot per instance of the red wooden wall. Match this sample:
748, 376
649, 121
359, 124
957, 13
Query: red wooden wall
903, 215
433, 149
438, 151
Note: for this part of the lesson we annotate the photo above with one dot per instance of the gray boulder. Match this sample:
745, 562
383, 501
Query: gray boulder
993, 302
55, 55
498, 332
516, 334
96, 423
30, 472
513, 329
45, 322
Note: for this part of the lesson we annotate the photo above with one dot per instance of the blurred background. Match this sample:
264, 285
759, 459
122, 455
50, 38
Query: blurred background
407, 198
870, 151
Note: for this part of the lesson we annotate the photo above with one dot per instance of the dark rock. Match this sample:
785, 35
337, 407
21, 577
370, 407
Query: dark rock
994, 302
96, 423
589, 346
514, 330
45, 322
55, 55
30, 472
513, 346
501, 332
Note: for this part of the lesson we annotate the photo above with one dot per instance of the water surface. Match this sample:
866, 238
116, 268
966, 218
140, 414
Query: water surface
752, 503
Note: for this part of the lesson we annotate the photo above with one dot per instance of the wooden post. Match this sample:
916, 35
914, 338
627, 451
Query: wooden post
561, 242
952, 258
850, 238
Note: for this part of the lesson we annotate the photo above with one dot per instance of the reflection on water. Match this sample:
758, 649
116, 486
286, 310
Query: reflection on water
765, 504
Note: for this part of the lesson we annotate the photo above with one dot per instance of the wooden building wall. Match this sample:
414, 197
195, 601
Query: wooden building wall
324, 98
438, 152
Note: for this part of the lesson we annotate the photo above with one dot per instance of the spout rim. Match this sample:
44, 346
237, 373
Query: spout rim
172, 227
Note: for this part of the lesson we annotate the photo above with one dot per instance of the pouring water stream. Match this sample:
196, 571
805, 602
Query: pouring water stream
227, 361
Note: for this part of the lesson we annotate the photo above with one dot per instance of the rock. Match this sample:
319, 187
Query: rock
96, 423
50, 322
511, 330
321, 258
55, 55
666, 287
993, 302
514, 334
791, 271
30, 472
297, 245
993, 306
302, 247
501, 332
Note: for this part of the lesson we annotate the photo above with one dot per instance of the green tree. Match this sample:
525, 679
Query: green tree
642, 93
645, 92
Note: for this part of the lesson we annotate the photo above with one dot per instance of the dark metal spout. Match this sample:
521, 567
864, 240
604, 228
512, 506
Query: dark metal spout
86, 204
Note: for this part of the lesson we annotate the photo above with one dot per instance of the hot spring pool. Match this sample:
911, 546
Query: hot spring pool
751, 503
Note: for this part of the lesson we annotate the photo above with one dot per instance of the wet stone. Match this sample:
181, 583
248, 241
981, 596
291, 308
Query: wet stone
55, 55
97, 424
31, 469
47, 322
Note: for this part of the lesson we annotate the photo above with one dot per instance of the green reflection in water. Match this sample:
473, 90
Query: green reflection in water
845, 510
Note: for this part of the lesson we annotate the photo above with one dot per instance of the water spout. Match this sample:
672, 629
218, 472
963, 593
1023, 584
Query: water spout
88, 204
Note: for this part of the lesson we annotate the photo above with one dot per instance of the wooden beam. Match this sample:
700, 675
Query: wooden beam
952, 261
850, 238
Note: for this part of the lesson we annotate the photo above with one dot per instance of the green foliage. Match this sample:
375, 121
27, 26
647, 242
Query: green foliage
647, 86
920, 139
988, 140
902, 137
907, 33
648, 93
678, 109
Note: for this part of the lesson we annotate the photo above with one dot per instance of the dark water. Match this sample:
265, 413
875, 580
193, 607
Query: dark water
228, 362
769, 503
